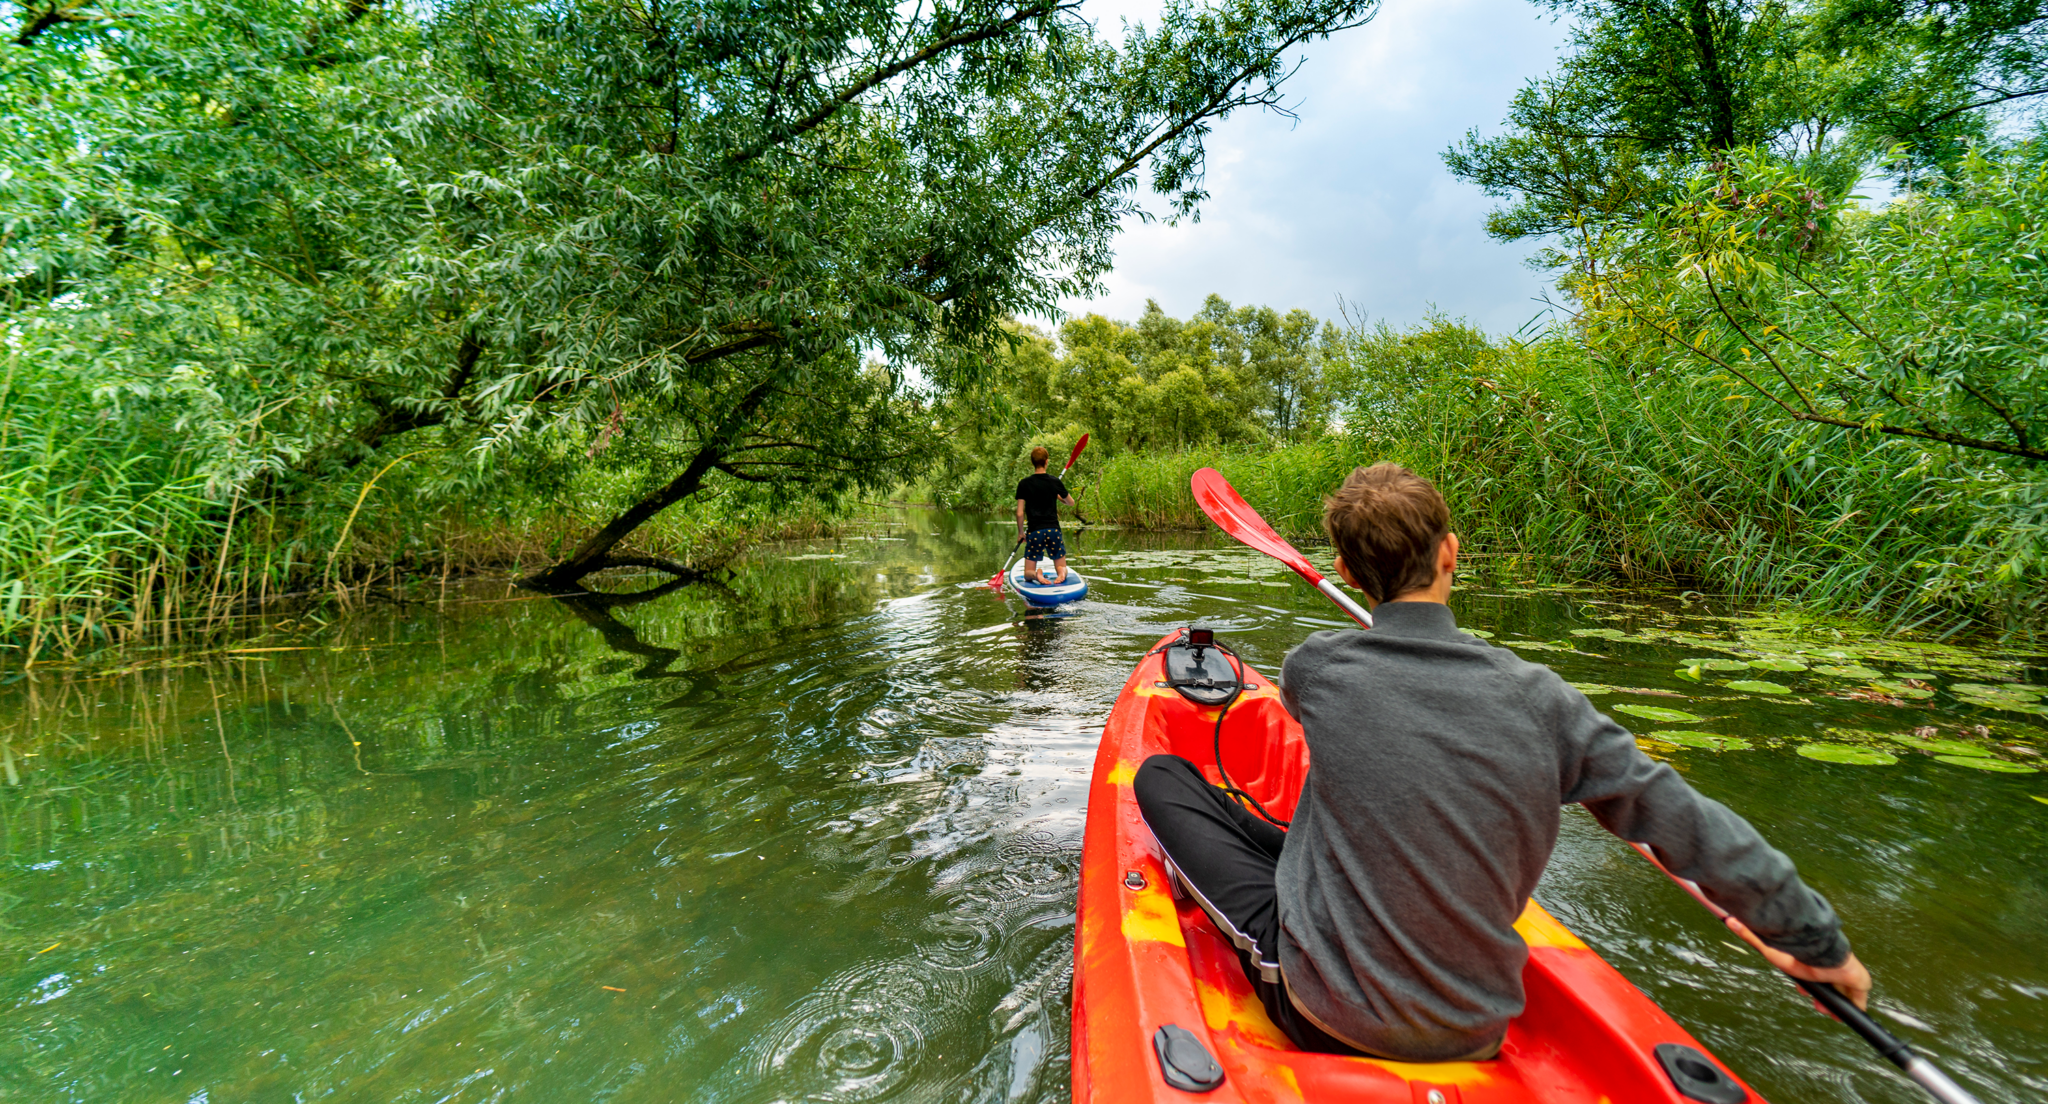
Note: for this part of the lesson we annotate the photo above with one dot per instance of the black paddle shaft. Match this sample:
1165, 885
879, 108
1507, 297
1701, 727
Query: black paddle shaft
1894, 1049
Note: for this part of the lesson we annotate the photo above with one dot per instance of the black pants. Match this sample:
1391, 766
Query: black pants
1226, 856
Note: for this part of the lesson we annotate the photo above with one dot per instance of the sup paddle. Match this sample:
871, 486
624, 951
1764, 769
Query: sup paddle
995, 581
1233, 515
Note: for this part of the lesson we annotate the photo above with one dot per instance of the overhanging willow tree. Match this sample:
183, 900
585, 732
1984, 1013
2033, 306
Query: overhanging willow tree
690, 239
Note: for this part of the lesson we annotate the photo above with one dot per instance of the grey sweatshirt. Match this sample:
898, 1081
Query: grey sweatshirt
1438, 765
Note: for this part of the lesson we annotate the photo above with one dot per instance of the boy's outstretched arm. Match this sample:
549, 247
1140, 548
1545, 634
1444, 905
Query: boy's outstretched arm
1700, 839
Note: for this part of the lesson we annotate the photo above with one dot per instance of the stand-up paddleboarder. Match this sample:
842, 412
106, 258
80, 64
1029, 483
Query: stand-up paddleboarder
1038, 518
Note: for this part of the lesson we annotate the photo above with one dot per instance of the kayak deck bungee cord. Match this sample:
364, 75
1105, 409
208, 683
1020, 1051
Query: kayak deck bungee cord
1162, 1010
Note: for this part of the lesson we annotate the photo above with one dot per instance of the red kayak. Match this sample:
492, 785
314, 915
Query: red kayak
1144, 962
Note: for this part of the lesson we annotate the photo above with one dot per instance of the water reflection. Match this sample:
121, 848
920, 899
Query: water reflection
813, 835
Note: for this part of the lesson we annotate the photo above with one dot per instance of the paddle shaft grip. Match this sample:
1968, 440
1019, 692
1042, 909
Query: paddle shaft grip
1344, 602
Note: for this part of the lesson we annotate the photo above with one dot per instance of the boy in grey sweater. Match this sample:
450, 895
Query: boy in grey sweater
1382, 921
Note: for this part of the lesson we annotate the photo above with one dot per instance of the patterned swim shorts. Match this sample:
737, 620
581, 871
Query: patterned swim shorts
1045, 544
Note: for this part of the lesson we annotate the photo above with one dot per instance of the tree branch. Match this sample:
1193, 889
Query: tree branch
875, 77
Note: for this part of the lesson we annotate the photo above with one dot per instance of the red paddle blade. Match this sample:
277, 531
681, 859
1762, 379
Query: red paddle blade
1076, 454
1235, 516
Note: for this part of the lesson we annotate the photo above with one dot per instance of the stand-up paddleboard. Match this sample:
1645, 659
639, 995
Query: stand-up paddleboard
1162, 1011
1040, 594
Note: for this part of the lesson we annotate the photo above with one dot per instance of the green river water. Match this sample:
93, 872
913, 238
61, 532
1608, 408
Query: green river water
813, 834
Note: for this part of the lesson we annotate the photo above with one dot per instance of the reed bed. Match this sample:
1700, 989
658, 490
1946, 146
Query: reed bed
1569, 469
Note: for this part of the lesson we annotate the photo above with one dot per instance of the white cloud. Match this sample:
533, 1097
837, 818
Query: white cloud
1353, 199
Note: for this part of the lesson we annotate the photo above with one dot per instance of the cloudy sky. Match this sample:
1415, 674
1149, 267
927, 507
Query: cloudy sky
1353, 199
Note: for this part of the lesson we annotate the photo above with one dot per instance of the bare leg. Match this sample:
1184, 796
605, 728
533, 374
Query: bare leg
1031, 570
1060, 572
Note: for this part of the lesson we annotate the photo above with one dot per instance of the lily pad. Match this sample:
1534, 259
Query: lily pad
1657, 713
1480, 633
1692, 673
1980, 763
2016, 690
1777, 663
1758, 686
1716, 664
2039, 798
1604, 634
1899, 689
1849, 670
1591, 688
1922, 676
1851, 756
1706, 741
1943, 747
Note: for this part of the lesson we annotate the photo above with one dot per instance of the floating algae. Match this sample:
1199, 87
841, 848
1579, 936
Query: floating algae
1757, 686
1977, 762
1705, 741
1847, 755
1657, 713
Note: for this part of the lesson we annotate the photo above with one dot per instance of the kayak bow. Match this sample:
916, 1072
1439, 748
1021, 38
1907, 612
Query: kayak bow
1144, 962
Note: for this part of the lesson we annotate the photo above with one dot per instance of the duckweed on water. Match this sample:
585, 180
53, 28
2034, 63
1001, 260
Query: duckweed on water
1658, 713
1757, 686
1977, 762
1848, 755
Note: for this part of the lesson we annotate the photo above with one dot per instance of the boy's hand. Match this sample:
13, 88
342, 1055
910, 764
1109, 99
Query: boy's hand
1850, 977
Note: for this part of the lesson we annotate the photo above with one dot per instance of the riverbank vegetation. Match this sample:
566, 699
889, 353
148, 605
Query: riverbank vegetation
306, 298
300, 293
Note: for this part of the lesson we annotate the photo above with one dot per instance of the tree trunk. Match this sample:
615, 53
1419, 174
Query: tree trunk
594, 554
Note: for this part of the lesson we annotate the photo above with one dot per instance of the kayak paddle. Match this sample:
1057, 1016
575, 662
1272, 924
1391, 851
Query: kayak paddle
1235, 516
1894, 1050
995, 581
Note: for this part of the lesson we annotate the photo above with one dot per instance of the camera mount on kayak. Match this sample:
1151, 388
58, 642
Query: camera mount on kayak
1200, 669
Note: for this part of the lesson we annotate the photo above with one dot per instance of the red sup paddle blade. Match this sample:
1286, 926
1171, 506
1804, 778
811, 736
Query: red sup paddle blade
1076, 454
1235, 516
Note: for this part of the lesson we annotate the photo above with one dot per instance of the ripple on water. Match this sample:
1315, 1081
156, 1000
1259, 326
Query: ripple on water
857, 1037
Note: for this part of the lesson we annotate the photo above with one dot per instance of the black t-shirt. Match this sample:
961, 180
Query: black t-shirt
1041, 494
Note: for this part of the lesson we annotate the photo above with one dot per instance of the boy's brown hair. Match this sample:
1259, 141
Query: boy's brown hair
1039, 456
1386, 523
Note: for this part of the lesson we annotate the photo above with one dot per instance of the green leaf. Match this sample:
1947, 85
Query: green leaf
1706, 741
1777, 663
1849, 670
1850, 756
1945, 747
1978, 763
1716, 664
1757, 686
1657, 713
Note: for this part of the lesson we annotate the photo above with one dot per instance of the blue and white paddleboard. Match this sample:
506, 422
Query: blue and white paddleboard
1040, 594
